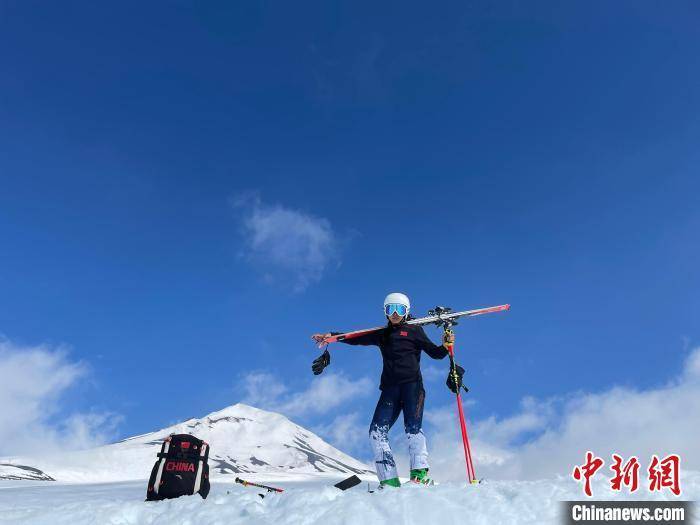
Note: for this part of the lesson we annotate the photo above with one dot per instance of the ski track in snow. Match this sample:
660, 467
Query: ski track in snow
306, 500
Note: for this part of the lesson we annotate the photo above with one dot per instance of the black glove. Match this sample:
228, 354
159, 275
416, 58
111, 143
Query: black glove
321, 362
455, 383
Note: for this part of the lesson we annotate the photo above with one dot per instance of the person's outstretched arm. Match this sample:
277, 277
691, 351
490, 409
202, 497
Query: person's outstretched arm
321, 362
430, 348
368, 339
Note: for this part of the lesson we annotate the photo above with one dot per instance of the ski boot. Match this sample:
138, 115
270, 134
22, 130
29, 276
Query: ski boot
391, 482
420, 476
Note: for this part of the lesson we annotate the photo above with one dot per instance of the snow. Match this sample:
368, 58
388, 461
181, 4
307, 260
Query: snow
10, 471
107, 485
307, 499
242, 439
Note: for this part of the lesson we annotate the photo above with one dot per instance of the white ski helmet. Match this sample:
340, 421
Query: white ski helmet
398, 298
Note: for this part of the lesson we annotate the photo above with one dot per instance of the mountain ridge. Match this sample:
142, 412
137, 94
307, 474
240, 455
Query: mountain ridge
243, 439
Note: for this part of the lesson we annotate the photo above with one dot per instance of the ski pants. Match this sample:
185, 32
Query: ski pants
409, 398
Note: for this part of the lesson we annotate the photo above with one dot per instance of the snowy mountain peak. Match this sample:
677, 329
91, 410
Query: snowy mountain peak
242, 439
240, 412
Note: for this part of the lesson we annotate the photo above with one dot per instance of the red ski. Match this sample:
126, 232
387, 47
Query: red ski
438, 316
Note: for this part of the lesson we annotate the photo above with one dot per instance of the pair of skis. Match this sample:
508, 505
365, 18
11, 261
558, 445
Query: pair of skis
440, 316
445, 318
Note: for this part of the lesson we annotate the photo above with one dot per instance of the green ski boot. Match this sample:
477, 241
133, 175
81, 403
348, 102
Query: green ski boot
420, 475
391, 482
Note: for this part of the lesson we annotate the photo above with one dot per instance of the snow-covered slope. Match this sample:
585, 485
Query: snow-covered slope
242, 439
307, 499
18, 472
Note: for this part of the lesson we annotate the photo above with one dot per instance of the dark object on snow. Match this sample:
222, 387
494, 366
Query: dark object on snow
321, 362
348, 483
454, 379
251, 484
181, 469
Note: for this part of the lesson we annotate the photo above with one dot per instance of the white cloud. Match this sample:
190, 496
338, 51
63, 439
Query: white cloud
434, 373
347, 432
32, 381
549, 437
262, 390
326, 393
322, 395
287, 246
329, 393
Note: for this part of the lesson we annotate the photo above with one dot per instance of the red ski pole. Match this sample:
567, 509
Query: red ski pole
471, 474
251, 484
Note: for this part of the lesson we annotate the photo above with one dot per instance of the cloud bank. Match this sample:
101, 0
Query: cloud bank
33, 380
548, 437
290, 247
323, 394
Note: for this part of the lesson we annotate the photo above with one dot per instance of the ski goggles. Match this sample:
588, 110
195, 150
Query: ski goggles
400, 309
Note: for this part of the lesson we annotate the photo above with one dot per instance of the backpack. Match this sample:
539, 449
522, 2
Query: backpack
181, 469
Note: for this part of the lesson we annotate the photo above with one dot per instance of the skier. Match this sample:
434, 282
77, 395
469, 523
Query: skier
401, 387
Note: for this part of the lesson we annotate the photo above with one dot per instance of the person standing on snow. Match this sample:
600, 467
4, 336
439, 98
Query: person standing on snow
401, 387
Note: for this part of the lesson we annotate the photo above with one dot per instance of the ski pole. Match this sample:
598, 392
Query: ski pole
471, 474
251, 484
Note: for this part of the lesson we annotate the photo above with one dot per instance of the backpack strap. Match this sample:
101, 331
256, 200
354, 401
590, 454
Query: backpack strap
163, 454
203, 455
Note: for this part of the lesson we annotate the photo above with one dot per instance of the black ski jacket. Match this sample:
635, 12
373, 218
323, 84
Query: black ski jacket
401, 347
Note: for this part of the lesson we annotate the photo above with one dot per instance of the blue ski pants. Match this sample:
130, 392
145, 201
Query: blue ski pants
408, 398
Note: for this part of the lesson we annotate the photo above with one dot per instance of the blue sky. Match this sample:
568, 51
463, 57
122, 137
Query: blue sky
188, 191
